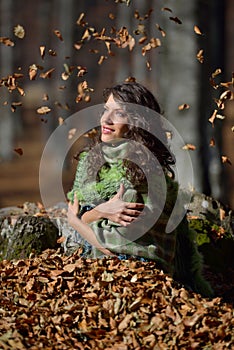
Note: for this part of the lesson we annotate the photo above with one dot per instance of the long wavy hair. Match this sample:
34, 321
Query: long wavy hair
129, 95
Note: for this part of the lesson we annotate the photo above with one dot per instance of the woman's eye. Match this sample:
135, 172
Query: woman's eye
120, 114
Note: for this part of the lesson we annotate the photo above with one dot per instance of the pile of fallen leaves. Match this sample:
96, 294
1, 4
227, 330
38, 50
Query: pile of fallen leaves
58, 302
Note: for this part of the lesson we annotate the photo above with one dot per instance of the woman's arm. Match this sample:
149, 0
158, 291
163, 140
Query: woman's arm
84, 230
115, 210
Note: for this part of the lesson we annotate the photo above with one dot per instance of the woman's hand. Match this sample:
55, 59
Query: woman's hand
119, 211
73, 211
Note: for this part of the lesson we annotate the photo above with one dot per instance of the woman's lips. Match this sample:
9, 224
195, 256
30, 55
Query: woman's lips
106, 130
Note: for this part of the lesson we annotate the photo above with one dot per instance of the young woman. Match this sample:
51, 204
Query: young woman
126, 190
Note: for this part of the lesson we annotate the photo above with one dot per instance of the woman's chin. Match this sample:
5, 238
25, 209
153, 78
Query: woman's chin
107, 138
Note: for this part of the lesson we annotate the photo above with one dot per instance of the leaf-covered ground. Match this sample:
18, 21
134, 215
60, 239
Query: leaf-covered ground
58, 302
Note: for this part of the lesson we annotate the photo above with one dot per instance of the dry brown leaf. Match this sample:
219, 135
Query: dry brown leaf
176, 20
225, 159
19, 151
216, 72
6, 41
71, 133
163, 33
60, 120
32, 71
102, 59
212, 142
200, 56
43, 110
166, 9
47, 74
58, 34
52, 52
111, 16
42, 51
45, 97
19, 31
197, 30
189, 147
183, 106
212, 118
80, 21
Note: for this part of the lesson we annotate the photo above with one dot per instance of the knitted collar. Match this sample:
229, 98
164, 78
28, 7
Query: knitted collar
115, 151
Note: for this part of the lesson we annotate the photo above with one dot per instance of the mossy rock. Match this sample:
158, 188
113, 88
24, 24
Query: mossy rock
24, 235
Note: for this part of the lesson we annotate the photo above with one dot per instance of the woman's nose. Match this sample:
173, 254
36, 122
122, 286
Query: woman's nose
106, 118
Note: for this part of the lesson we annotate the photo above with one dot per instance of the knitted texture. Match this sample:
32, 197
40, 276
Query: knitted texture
175, 251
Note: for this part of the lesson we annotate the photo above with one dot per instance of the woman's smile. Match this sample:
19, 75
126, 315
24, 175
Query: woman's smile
107, 130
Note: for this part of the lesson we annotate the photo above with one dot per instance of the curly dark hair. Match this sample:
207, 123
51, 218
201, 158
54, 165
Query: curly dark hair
129, 95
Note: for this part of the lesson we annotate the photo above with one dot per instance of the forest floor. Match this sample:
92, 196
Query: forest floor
58, 302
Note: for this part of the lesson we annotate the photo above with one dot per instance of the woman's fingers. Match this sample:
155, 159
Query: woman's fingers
132, 212
135, 205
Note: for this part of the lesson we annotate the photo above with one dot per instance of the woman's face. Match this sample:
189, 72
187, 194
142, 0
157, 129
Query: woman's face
113, 121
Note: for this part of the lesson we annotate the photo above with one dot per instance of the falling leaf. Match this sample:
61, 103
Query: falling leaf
212, 118
32, 72
189, 147
130, 80
65, 76
21, 91
14, 105
166, 9
60, 120
169, 135
197, 30
52, 53
6, 41
127, 2
219, 116
183, 106
226, 95
43, 110
176, 20
42, 51
81, 71
111, 16
19, 31
80, 21
213, 83
200, 56
47, 74
142, 40
225, 159
161, 30
71, 133
19, 151
102, 59
58, 34
45, 97
212, 142
78, 46
154, 43
148, 65
216, 72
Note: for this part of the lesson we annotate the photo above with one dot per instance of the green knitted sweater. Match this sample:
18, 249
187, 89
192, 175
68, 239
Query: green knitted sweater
146, 237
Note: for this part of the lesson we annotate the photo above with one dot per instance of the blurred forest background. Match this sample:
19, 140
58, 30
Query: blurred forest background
56, 56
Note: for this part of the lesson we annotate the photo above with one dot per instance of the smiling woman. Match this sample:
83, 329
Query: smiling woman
113, 121
127, 216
